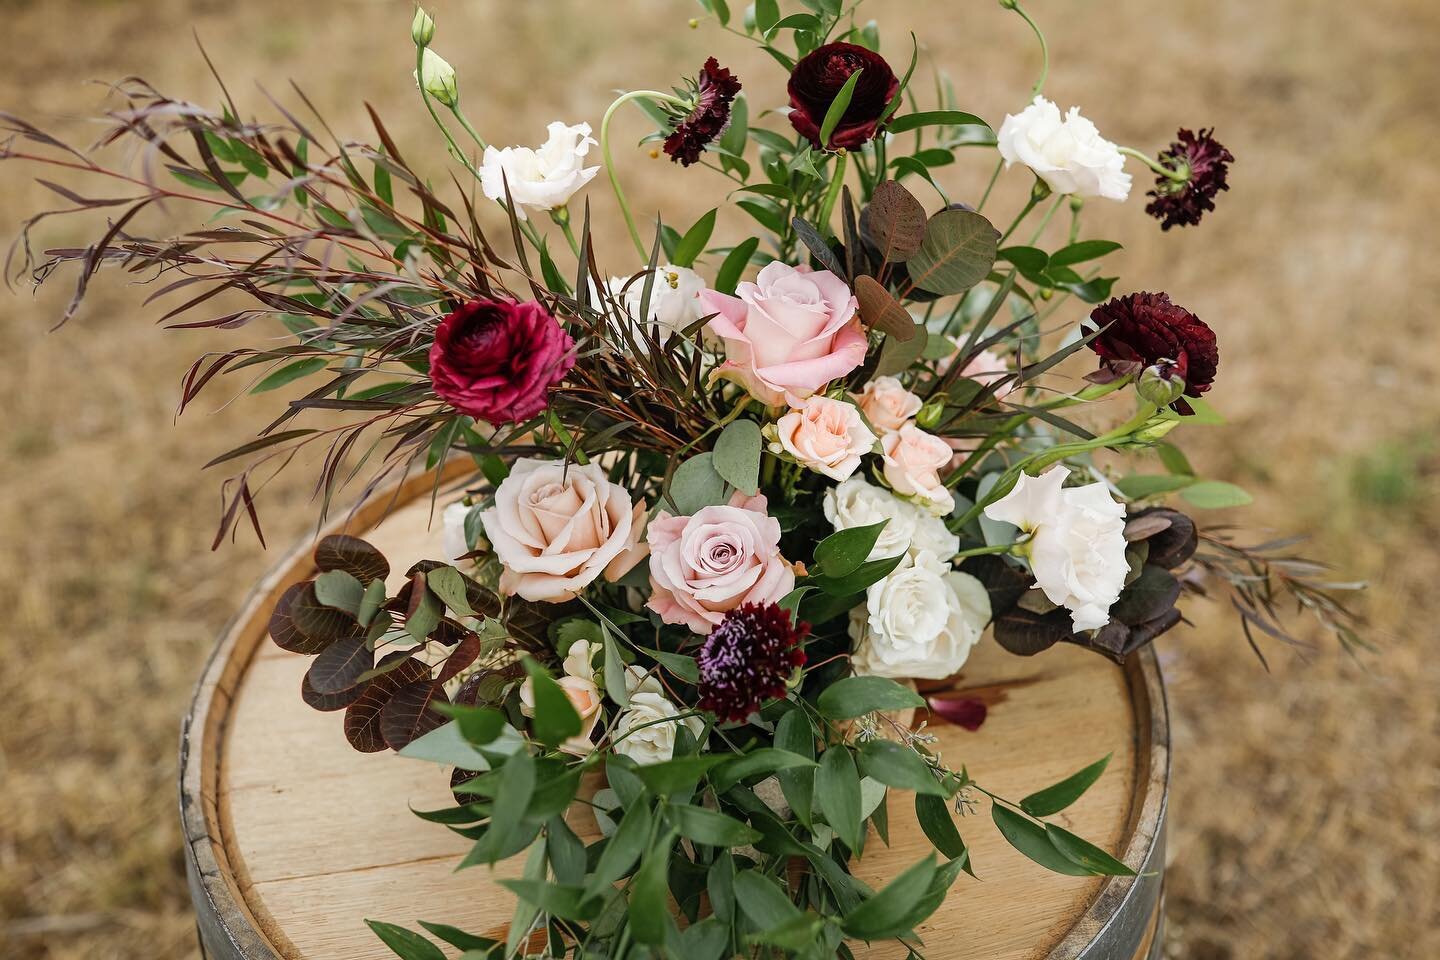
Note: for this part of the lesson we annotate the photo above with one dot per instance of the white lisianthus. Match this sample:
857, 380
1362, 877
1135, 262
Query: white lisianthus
825, 435
1077, 542
641, 733
674, 297
919, 622
545, 177
859, 503
437, 78
452, 532
1068, 154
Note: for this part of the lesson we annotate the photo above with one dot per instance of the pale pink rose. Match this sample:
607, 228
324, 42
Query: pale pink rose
887, 404
913, 461
828, 436
788, 334
556, 527
705, 565
584, 696
985, 368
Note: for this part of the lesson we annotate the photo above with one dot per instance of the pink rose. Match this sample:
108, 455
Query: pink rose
705, 565
584, 696
788, 334
887, 404
828, 436
556, 527
985, 368
913, 461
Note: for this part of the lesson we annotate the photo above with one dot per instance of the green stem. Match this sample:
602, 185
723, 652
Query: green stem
1035, 198
837, 180
1076, 205
561, 216
1179, 176
984, 551
468, 126
999, 165
455, 150
1045, 222
1039, 35
625, 98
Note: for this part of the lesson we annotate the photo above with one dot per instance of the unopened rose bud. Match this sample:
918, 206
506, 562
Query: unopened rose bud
1160, 384
438, 78
929, 416
422, 28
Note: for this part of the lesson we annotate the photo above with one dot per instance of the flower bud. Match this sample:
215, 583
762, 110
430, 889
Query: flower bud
1155, 430
422, 28
929, 416
438, 78
1160, 384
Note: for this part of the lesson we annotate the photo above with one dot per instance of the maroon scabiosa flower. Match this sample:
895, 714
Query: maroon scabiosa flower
1205, 161
496, 360
1142, 331
817, 80
714, 93
747, 659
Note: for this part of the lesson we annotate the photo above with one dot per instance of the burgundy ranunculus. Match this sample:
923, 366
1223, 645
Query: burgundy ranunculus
1181, 203
1146, 330
497, 359
818, 78
748, 658
707, 120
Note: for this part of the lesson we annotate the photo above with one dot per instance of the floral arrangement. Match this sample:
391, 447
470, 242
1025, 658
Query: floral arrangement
736, 506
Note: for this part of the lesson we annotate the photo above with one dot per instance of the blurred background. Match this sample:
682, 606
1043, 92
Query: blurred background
1306, 800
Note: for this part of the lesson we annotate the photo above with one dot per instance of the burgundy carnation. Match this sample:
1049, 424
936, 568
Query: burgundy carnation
1180, 203
707, 120
497, 359
1145, 329
747, 659
818, 78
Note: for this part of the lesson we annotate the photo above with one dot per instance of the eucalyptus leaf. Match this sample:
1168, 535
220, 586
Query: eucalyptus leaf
737, 456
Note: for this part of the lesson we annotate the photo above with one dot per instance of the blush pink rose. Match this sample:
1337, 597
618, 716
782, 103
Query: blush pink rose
556, 527
985, 368
913, 461
788, 334
705, 565
828, 436
887, 404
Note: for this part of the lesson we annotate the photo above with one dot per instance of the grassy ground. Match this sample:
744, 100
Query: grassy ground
1306, 801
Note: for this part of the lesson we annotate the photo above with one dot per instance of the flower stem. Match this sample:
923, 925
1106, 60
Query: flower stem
1045, 222
1029, 205
625, 98
561, 216
1039, 35
468, 126
827, 208
455, 150
1179, 176
999, 165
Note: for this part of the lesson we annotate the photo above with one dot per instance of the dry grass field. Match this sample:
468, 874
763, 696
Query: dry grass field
1306, 804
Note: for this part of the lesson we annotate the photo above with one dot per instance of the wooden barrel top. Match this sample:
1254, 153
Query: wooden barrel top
293, 839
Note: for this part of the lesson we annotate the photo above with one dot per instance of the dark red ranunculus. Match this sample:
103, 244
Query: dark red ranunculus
1181, 203
748, 658
1144, 330
818, 78
714, 93
496, 360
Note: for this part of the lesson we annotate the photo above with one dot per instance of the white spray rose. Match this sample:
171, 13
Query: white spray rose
580, 660
859, 503
919, 622
640, 737
1077, 542
543, 178
674, 297
1068, 154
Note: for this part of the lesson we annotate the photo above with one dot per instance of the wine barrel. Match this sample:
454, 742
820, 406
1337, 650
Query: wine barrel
292, 839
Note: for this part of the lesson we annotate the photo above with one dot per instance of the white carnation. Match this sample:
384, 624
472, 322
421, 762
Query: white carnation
919, 622
1068, 154
545, 177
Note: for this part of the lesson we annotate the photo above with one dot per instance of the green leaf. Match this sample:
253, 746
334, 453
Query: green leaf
869, 572
1082, 251
898, 766
405, 943
841, 553
958, 251
762, 901
555, 718
1204, 413
837, 788
458, 938
838, 106
1174, 459
696, 484
1139, 486
1086, 854
886, 914
737, 456
682, 665
710, 826
479, 725
795, 734
1030, 838
290, 373
763, 760
734, 265
447, 744
679, 774
1216, 495
448, 584
767, 15
935, 118
1053, 799
622, 850
338, 589
615, 671
559, 899
933, 814
693, 243
897, 355
857, 696
649, 916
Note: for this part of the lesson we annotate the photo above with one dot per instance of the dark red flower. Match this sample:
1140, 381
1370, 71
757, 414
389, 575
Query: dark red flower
818, 78
747, 659
707, 120
1180, 203
497, 359
1146, 330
